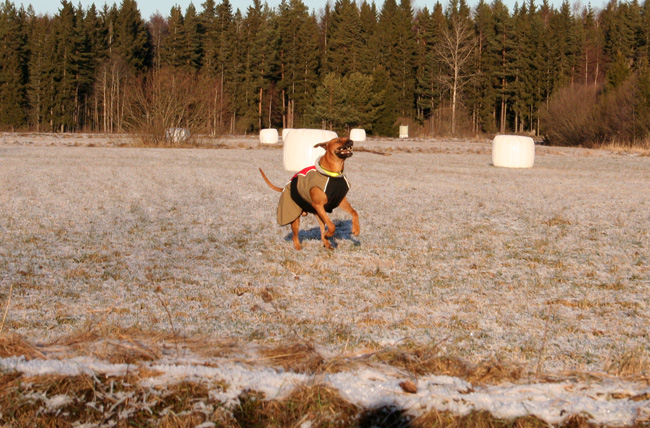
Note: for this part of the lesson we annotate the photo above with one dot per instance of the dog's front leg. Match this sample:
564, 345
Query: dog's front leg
326, 241
319, 200
345, 206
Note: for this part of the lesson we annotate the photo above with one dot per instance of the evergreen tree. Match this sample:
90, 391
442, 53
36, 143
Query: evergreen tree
207, 32
644, 36
329, 104
173, 47
70, 62
361, 104
618, 72
523, 66
223, 59
405, 60
13, 67
642, 104
564, 49
592, 47
396, 47
297, 33
423, 91
40, 87
192, 39
258, 54
368, 30
485, 85
131, 38
386, 122
501, 53
345, 102
344, 38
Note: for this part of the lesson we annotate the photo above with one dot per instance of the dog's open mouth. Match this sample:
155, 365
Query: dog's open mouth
345, 151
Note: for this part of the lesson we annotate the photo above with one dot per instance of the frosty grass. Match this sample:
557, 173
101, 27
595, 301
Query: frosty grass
546, 266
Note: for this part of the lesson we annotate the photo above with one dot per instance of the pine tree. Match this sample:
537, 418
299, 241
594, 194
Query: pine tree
642, 104
13, 67
258, 54
405, 60
131, 41
173, 46
386, 122
96, 33
344, 38
592, 47
70, 58
423, 91
396, 46
329, 102
501, 52
40, 85
298, 59
361, 105
523, 66
192, 39
483, 95
564, 49
207, 32
644, 40
368, 30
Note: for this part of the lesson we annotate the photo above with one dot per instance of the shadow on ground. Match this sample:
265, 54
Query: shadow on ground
343, 231
385, 417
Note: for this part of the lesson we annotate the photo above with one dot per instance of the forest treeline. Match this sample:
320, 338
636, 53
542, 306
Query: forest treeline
575, 75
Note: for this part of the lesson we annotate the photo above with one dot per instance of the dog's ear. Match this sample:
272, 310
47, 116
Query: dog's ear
323, 145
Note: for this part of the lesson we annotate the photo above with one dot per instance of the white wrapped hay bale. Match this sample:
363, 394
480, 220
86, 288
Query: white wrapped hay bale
513, 151
269, 136
403, 131
358, 134
299, 151
177, 135
285, 132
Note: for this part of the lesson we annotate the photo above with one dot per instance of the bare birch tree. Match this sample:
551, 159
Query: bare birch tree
455, 53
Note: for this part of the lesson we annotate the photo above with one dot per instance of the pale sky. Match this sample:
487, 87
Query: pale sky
149, 7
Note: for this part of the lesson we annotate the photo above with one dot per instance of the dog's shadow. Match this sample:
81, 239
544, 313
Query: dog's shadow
343, 231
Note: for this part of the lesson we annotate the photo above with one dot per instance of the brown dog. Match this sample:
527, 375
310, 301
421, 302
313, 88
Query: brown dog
318, 190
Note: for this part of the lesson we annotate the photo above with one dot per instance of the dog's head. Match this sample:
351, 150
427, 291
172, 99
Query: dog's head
339, 147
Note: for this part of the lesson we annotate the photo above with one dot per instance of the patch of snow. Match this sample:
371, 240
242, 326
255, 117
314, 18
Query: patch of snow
373, 388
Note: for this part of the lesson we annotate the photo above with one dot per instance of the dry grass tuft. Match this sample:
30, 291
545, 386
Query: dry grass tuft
297, 357
642, 148
58, 401
115, 346
422, 360
317, 406
631, 363
12, 345
437, 419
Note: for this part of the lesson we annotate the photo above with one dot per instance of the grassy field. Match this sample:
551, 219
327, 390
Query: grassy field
542, 271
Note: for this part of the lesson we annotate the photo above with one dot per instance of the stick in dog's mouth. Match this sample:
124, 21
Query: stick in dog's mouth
374, 152
344, 151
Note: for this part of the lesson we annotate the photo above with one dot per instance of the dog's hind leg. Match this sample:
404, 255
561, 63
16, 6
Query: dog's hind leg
295, 229
345, 206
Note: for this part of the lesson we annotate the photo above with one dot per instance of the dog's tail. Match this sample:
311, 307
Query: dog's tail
271, 185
